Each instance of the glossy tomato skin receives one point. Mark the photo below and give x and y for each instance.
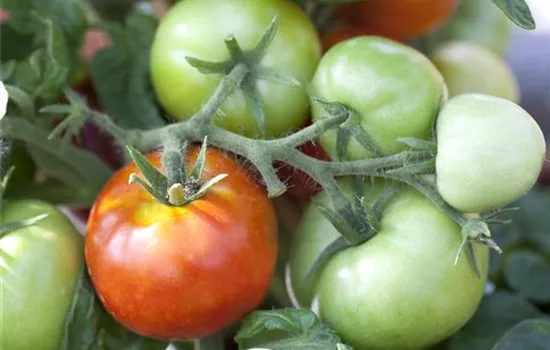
(399, 18)
(182, 272)
(40, 267)
(490, 152)
(198, 28)
(393, 88)
(400, 289)
(470, 68)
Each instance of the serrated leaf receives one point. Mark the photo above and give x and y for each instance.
(496, 314)
(530, 334)
(121, 74)
(286, 329)
(518, 11)
(82, 323)
(528, 273)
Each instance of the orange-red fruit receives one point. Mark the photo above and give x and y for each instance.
(399, 18)
(182, 272)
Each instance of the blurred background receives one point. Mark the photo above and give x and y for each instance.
(529, 58)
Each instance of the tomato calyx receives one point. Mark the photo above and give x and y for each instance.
(175, 189)
(251, 59)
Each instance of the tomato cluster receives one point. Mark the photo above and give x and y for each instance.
(184, 271)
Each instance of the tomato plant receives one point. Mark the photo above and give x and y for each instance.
(490, 152)
(198, 29)
(399, 18)
(182, 272)
(376, 77)
(385, 286)
(470, 68)
(40, 266)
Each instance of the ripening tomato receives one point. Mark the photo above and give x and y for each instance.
(398, 290)
(198, 28)
(399, 18)
(184, 272)
(490, 152)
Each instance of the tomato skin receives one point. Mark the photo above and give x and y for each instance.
(40, 267)
(470, 68)
(182, 272)
(490, 152)
(399, 290)
(198, 28)
(399, 18)
(394, 88)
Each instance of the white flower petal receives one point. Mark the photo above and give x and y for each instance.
(3, 100)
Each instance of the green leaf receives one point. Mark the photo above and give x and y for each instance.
(518, 11)
(15, 46)
(528, 273)
(73, 166)
(22, 100)
(121, 74)
(82, 323)
(529, 334)
(286, 329)
(496, 314)
(57, 28)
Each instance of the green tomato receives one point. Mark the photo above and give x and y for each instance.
(400, 289)
(394, 89)
(490, 152)
(478, 21)
(39, 266)
(198, 28)
(470, 68)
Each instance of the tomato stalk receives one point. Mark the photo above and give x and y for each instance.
(405, 167)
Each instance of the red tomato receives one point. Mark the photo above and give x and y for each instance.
(399, 18)
(348, 31)
(182, 272)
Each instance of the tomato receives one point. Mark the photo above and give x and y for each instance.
(40, 266)
(469, 67)
(398, 290)
(490, 152)
(394, 88)
(182, 272)
(197, 28)
(347, 31)
(477, 21)
(399, 18)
